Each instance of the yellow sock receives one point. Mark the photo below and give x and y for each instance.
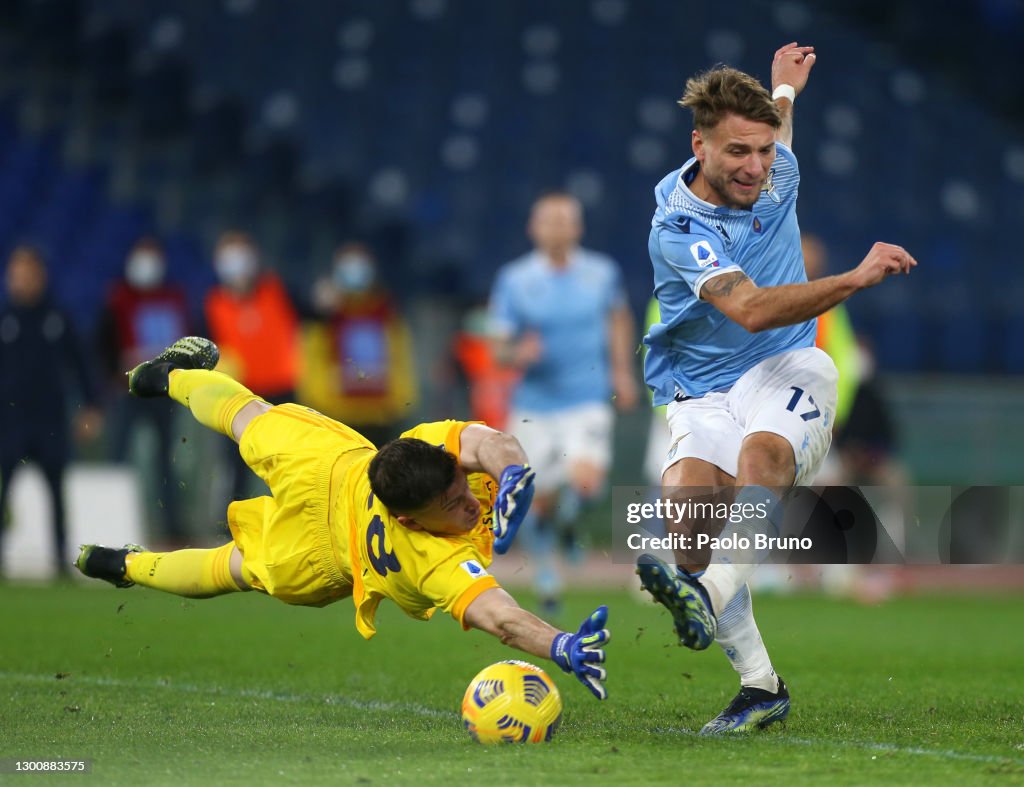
(214, 398)
(195, 573)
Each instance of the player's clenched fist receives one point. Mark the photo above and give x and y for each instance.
(883, 260)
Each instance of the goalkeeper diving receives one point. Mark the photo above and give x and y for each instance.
(415, 522)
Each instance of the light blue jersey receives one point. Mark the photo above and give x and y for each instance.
(569, 309)
(696, 348)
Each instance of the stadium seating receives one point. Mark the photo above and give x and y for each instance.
(430, 125)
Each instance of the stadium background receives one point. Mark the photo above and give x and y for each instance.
(427, 126)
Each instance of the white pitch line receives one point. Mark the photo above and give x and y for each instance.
(423, 710)
(947, 754)
(260, 694)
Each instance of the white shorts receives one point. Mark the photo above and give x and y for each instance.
(659, 438)
(555, 440)
(792, 395)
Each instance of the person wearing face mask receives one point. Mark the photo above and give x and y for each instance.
(251, 316)
(143, 313)
(359, 365)
(41, 366)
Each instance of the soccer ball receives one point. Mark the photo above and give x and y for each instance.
(511, 702)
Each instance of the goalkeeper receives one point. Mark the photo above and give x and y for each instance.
(414, 522)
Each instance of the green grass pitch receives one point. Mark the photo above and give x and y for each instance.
(245, 690)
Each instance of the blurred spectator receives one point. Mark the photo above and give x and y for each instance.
(251, 317)
(867, 443)
(863, 449)
(560, 315)
(864, 442)
(490, 384)
(40, 361)
(358, 361)
(866, 447)
(144, 314)
(835, 331)
(659, 436)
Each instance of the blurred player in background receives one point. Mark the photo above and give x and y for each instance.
(560, 315)
(659, 438)
(751, 400)
(143, 314)
(41, 361)
(414, 522)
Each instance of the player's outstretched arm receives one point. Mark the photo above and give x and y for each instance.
(761, 308)
(622, 355)
(519, 353)
(581, 653)
(502, 457)
(791, 66)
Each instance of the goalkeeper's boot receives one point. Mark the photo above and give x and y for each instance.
(683, 596)
(105, 563)
(751, 708)
(150, 378)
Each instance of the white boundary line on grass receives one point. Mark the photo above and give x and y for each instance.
(946, 754)
(423, 710)
(258, 694)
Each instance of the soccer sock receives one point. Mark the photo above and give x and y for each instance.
(539, 540)
(194, 573)
(569, 506)
(740, 639)
(729, 570)
(214, 398)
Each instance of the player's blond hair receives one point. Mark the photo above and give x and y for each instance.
(722, 91)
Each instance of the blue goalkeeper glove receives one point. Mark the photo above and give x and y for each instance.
(515, 492)
(582, 652)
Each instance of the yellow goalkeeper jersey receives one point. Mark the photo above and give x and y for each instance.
(419, 571)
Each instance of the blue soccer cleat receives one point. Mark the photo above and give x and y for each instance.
(150, 378)
(683, 596)
(751, 708)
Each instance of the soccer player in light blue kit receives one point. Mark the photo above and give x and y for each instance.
(750, 400)
(559, 313)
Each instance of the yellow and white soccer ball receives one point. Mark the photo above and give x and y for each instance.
(512, 702)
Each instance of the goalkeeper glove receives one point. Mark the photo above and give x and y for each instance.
(582, 652)
(515, 491)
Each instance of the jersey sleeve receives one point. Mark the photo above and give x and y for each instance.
(695, 256)
(447, 434)
(454, 583)
(783, 151)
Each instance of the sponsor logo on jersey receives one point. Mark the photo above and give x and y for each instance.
(473, 568)
(704, 254)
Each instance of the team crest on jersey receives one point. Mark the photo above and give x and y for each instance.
(757, 224)
(704, 254)
(769, 187)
